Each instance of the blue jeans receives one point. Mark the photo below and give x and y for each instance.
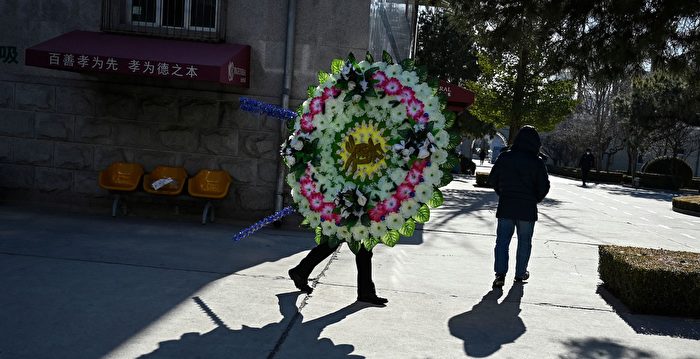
(504, 233)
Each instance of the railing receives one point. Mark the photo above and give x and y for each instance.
(203, 20)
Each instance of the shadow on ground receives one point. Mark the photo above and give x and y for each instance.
(224, 342)
(489, 325)
(595, 348)
(78, 286)
(653, 324)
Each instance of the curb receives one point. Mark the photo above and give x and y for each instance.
(686, 211)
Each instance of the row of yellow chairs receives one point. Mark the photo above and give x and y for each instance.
(123, 177)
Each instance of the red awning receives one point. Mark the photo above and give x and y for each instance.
(458, 99)
(85, 51)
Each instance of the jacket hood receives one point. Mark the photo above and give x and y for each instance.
(527, 140)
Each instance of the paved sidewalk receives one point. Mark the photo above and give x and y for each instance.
(79, 286)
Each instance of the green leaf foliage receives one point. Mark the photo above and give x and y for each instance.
(387, 58)
(449, 119)
(408, 228)
(370, 243)
(423, 214)
(354, 246)
(319, 235)
(369, 57)
(391, 238)
(446, 179)
(437, 200)
(337, 66)
(408, 64)
(323, 77)
(310, 91)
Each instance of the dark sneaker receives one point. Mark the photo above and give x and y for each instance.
(523, 278)
(499, 281)
(300, 282)
(373, 299)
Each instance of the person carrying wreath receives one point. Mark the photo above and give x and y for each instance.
(363, 259)
(520, 179)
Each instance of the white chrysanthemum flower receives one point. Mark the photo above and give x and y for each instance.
(439, 157)
(380, 64)
(290, 160)
(432, 175)
(408, 208)
(328, 228)
(360, 232)
(364, 65)
(398, 175)
(291, 178)
(422, 91)
(398, 114)
(314, 219)
(423, 192)
(377, 229)
(394, 221)
(409, 78)
(333, 106)
(343, 233)
(305, 106)
(442, 138)
(393, 70)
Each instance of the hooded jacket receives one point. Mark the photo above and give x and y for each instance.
(520, 177)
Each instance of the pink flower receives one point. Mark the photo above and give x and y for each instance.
(413, 177)
(392, 204)
(327, 210)
(392, 87)
(330, 92)
(415, 109)
(316, 201)
(307, 124)
(381, 77)
(420, 165)
(407, 95)
(307, 189)
(376, 213)
(316, 105)
(404, 191)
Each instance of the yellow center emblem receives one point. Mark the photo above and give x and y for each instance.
(363, 152)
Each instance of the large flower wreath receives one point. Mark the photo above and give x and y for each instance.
(368, 151)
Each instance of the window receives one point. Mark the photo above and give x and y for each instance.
(198, 19)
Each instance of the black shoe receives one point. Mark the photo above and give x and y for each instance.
(300, 282)
(523, 278)
(499, 281)
(373, 299)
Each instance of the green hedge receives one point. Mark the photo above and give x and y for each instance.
(593, 175)
(652, 281)
(482, 179)
(654, 180)
(689, 203)
(670, 166)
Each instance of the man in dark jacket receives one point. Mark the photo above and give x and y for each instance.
(520, 179)
(586, 162)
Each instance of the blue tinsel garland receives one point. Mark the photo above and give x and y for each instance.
(251, 105)
(263, 222)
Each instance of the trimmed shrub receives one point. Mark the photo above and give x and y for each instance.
(672, 167)
(688, 203)
(482, 179)
(652, 281)
(593, 175)
(695, 183)
(659, 181)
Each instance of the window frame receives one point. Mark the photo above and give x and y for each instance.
(187, 15)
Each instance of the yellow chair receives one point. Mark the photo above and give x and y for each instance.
(209, 184)
(178, 174)
(120, 177)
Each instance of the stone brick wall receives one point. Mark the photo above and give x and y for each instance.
(59, 129)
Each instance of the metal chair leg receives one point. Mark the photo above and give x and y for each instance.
(205, 213)
(115, 205)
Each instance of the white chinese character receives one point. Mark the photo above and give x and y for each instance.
(148, 67)
(134, 65)
(83, 60)
(163, 69)
(176, 70)
(54, 58)
(68, 60)
(191, 71)
(112, 64)
(97, 62)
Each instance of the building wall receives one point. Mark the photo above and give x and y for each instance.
(59, 129)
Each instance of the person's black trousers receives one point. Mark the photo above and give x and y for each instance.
(584, 174)
(363, 261)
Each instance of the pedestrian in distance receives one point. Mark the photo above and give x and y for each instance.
(586, 162)
(482, 155)
(520, 179)
(363, 260)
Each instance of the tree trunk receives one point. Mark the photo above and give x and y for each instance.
(518, 97)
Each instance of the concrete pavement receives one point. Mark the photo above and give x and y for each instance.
(90, 286)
